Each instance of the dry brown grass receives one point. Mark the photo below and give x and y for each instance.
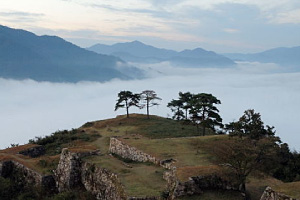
(290, 189)
(15, 150)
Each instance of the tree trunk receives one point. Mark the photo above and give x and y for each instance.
(148, 109)
(127, 112)
(186, 114)
(242, 188)
(203, 122)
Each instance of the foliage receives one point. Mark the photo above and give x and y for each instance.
(285, 165)
(176, 106)
(250, 125)
(14, 188)
(14, 145)
(204, 112)
(242, 156)
(54, 143)
(149, 98)
(6, 188)
(253, 146)
(185, 98)
(126, 99)
(282, 164)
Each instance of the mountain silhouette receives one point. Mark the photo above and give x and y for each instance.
(141, 53)
(25, 55)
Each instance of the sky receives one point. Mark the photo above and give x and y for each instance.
(30, 109)
(224, 26)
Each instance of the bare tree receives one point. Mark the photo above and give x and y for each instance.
(149, 99)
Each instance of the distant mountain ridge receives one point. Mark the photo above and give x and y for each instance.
(282, 56)
(24, 55)
(139, 52)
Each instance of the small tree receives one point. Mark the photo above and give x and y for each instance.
(126, 99)
(250, 125)
(242, 157)
(185, 99)
(149, 99)
(251, 147)
(204, 112)
(175, 106)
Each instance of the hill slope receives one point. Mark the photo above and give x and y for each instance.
(173, 142)
(25, 55)
(139, 52)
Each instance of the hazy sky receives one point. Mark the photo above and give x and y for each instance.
(30, 109)
(219, 25)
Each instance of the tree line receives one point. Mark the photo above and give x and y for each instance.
(199, 108)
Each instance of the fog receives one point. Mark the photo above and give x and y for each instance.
(30, 108)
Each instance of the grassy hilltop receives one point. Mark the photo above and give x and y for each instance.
(157, 136)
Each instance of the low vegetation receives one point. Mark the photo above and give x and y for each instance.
(61, 139)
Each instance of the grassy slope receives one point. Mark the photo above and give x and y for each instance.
(161, 138)
(293, 189)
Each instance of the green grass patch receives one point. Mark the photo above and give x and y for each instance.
(182, 150)
(155, 127)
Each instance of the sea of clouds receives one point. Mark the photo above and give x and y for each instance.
(29, 108)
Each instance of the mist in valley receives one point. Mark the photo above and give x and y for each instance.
(30, 108)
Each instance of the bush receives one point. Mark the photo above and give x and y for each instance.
(53, 143)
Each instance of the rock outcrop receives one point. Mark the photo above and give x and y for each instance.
(27, 175)
(73, 173)
(68, 172)
(270, 194)
(101, 182)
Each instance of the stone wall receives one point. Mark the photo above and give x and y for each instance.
(270, 194)
(195, 185)
(125, 151)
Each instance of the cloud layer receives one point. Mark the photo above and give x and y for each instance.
(30, 109)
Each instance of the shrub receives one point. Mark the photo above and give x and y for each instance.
(54, 143)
